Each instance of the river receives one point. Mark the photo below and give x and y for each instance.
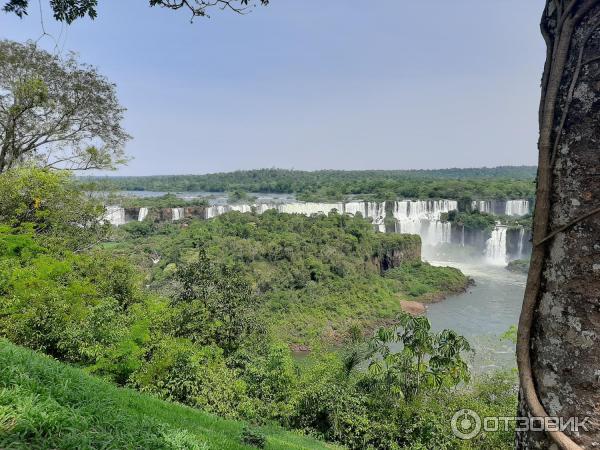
(483, 313)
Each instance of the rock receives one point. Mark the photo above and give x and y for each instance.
(413, 308)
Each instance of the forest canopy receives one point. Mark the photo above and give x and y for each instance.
(478, 183)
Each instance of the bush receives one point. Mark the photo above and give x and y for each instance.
(253, 437)
(197, 376)
(58, 210)
(422, 279)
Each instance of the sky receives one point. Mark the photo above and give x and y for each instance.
(391, 84)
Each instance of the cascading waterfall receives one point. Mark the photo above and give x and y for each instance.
(115, 215)
(214, 211)
(422, 217)
(521, 243)
(241, 208)
(517, 207)
(308, 209)
(177, 213)
(484, 206)
(142, 214)
(495, 247)
(369, 210)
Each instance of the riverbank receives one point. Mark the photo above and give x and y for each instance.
(366, 304)
(483, 313)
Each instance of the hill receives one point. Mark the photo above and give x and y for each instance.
(45, 404)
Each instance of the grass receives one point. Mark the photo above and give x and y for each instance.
(45, 404)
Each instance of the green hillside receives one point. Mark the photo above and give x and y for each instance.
(46, 404)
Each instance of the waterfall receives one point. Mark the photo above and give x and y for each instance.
(517, 207)
(422, 217)
(142, 214)
(177, 213)
(214, 211)
(241, 208)
(438, 232)
(115, 215)
(369, 210)
(495, 247)
(261, 208)
(484, 206)
(521, 244)
(462, 237)
(308, 209)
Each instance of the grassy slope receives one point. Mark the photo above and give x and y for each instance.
(46, 404)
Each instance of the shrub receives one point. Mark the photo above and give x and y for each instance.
(253, 437)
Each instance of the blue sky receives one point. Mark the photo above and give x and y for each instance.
(392, 84)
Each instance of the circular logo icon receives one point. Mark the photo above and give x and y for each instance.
(466, 424)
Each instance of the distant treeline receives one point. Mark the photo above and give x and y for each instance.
(479, 183)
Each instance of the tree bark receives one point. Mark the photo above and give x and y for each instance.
(558, 347)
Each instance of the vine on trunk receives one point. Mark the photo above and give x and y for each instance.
(559, 21)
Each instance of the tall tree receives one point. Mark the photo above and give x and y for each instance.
(70, 10)
(558, 348)
(56, 112)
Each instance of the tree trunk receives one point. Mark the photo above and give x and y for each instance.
(558, 348)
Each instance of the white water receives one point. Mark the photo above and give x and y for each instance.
(308, 209)
(142, 214)
(495, 246)
(521, 243)
(484, 206)
(422, 217)
(115, 215)
(517, 207)
(369, 210)
(483, 313)
(177, 213)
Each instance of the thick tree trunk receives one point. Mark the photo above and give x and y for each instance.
(559, 329)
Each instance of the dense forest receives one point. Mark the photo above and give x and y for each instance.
(484, 183)
(316, 276)
(213, 315)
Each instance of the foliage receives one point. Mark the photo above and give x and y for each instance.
(253, 437)
(53, 205)
(485, 183)
(70, 10)
(190, 329)
(48, 405)
(420, 279)
(240, 196)
(313, 273)
(68, 307)
(473, 220)
(369, 409)
(213, 304)
(181, 371)
(163, 201)
(56, 112)
(510, 334)
(426, 359)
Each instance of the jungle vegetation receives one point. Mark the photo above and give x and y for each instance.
(378, 185)
(210, 326)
